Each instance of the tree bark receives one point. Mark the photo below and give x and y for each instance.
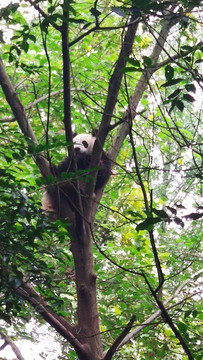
(88, 331)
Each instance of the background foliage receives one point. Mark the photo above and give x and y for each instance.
(161, 159)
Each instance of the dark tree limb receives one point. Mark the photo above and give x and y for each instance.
(169, 321)
(66, 76)
(67, 111)
(119, 339)
(148, 210)
(116, 78)
(113, 90)
(19, 114)
(15, 104)
(141, 86)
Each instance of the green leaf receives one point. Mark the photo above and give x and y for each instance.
(190, 87)
(194, 313)
(147, 61)
(187, 47)
(175, 93)
(129, 69)
(182, 327)
(188, 98)
(180, 105)
(172, 82)
(177, 103)
(148, 224)
(95, 12)
(169, 72)
(133, 62)
(161, 213)
(187, 314)
(32, 37)
(25, 46)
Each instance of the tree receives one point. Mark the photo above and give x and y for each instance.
(130, 69)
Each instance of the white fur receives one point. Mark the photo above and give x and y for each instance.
(78, 142)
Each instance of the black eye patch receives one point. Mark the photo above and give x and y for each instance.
(85, 144)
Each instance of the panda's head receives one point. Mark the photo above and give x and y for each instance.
(84, 143)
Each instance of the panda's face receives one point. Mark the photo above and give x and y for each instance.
(84, 143)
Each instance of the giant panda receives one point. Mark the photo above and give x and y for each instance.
(60, 202)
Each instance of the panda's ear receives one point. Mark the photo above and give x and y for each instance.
(74, 134)
(94, 132)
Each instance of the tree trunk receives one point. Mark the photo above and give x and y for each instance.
(88, 319)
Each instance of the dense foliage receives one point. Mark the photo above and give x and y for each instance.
(147, 233)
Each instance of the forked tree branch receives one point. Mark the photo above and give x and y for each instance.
(28, 292)
(8, 341)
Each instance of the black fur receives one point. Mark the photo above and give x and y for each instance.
(83, 162)
(62, 200)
